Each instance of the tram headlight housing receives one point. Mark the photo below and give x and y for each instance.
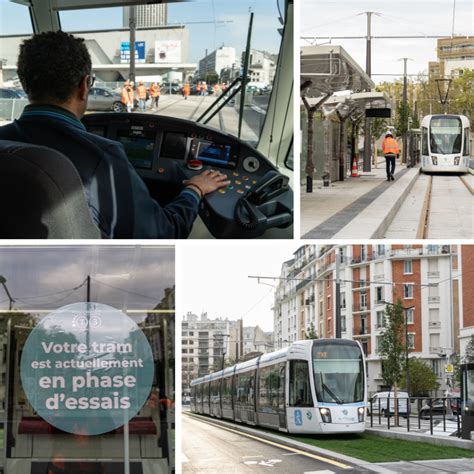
(457, 159)
(434, 159)
(325, 415)
(466, 409)
(360, 413)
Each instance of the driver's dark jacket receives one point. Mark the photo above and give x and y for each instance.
(118, 199)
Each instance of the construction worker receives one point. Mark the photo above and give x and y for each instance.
(186, 90)
(391, 151)
(141, 92)
(203, 88)
(155, 92)
(216, 88)
(198, 88)
(127, 96)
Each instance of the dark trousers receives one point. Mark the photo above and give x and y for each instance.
(390, 165)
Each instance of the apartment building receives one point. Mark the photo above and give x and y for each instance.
(454, 55)
(427, 279)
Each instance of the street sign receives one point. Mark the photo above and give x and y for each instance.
(449, 369)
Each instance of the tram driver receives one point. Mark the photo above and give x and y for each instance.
(55, 70)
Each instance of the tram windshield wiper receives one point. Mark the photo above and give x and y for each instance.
(331, 393)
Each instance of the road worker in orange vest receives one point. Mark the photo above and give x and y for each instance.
(141, 92)
(216, 88)
(391, 151)
(155, 92)
(198, 88)
(186, 90)
(127, 96)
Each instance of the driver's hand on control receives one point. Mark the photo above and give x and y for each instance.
(207, 182)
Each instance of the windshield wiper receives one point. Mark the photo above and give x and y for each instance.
(328, 390)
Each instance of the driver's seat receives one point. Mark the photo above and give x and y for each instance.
(42, 195)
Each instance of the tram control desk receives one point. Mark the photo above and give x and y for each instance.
(165, 151)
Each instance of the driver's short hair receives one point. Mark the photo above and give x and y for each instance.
(51, 66)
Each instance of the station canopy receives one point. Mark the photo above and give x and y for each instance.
(328, 69)
(357, 105)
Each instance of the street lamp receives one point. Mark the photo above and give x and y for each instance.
(405, 310)
(3, 282)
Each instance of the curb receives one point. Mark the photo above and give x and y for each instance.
(378, 215)
(418, 437)
(295, 444)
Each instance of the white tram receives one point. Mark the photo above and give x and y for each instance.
(445, 144)
(312, 386)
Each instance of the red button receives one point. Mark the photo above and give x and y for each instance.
(195, 165)
(161, 170)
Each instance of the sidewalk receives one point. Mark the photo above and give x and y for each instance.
(359, 207)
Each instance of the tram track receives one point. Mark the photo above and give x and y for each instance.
(436, 207)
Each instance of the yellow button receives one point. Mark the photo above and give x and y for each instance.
(222, 191)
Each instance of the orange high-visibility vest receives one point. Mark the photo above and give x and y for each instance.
(141, 91)
(186, 89)
(124, 98)
(155, 90)
(390, 146)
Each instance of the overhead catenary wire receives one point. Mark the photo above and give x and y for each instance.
(123, 290)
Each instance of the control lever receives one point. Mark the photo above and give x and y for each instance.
(251, 211)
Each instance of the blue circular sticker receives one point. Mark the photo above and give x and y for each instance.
(87, 368)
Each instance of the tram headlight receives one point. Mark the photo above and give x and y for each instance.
(457, 159)
(360, 413)
(325, 415)
(434, 159)
(466, 409)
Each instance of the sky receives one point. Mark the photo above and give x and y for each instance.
(125, 277)
(398, 17)
(217, 280)
(15, 19)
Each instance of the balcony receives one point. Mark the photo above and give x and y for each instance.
(359, 308)
(359, 285)
(362, 331)
(303, 283)
(309, 301)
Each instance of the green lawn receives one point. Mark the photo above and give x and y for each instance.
(373, 448)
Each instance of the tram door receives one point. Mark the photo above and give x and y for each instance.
(33, 446)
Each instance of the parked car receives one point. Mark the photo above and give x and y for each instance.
(102, 98)
(12, 94)
(387, 403)
(166, 86)
(438, 408)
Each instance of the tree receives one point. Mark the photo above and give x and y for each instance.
(422, 378)
(311, 332)
(468, 357)
(401, 122)
(392, 347)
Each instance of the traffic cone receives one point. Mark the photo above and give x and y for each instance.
(355, 171)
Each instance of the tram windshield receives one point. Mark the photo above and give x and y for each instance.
(446, 135)
(338, 373)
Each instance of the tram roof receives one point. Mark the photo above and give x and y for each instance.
(83, 4)
(330, 69)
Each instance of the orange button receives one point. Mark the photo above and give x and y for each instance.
(240, 191)
(235, 174)
(237, 181)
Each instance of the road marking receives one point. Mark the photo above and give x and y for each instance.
(278, 445)
(269, 463)
(466, 183)
(258, 109)
(255, 456)
(319, 472)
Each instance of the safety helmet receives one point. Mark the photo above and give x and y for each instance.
(389, 134)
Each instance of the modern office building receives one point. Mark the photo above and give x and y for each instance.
(454, 55)
(428, 279)
(223, 58)
(147, 16)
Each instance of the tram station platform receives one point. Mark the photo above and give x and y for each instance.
(361, 207)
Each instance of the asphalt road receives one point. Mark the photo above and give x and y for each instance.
(208, 448)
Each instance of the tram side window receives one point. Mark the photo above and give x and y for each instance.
(281, 387)
(300, 389)
(226, 391)
(424, 141)
(466, 150)
(205, 393)
(215, 391)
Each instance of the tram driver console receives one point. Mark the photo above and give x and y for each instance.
(166, 150)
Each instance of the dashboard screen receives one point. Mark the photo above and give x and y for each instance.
(174, 146)
(139, 150)
(209, 152)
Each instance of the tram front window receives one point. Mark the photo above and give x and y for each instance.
(446, 135)
(338, 373)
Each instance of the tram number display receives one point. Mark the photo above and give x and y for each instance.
(321, 355)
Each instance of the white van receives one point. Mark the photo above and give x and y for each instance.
(387, 403)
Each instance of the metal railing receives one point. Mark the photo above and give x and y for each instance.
(417, 414)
